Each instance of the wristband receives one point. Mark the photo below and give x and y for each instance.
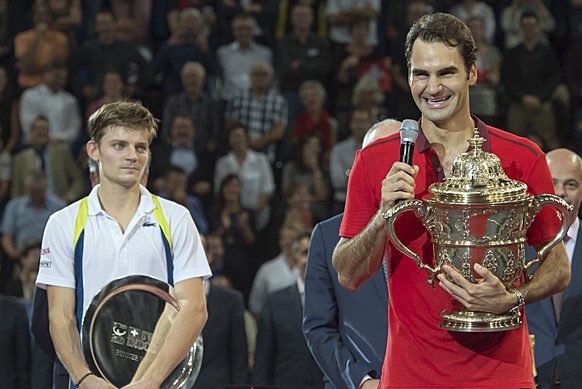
(520, 300)
(83, 379)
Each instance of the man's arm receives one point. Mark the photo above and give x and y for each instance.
(186, 327)
(65, 336)
(552, 276)
(358, 258)
(320, 320)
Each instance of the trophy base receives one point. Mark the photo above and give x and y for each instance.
(469, 321)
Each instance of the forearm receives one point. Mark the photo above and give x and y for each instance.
(186, 327)
(67, 342)
(320, 186)
(357, 259)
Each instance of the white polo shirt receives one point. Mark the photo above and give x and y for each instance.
(109, 253)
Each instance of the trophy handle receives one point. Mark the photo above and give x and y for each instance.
(538, 203)
(420, 211)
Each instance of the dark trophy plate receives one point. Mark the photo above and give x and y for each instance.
(125, 324)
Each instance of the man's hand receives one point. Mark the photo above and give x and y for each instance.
(398, 184)
(488, 295)
(370, 384)
(141, 385)
(94, 382)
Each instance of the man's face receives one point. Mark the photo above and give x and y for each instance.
(122, 154)
(182, 131)
(105, 27)
(439, 83)
(175, 182)
(237, 139)
(39, 133)
(567, 177)
(112, 84)
(530, 28)
(302, 17)
(243, 30)
(311, 100)
(56, 78)
(192, 81)
(261, 77)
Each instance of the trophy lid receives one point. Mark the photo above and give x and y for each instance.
(477, 177)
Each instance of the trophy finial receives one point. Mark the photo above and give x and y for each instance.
(476, 141)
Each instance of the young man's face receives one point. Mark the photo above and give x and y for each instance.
(122, 154)
(439, 83)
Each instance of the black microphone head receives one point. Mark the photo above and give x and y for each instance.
(408, 131)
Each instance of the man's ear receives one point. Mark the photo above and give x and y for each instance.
(473, 75)
(93, 150)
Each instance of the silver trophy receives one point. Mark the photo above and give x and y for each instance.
(126, 324)
(478, 215)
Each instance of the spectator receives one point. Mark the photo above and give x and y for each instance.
(199, 105)
(113, 89)
(282, 357)
(301, 56)
(180, 150)
(403, 105)
(64, 178)
(187, 43)
(573, 79)
(467, 9)
(483, 95)
(106, 53)
(175, 185)
(15, 340)
(9, 124)
(261, 109)
(235, 59)
(298, 205)
(340, 14)
(531, 108)
(511, 16)
(139, 11)
(315, 120)
(307, 167)
(277, 273)
(344, 153)
(34, 49)
(225, 357)
(234, 223)
(25, 217)
(369, 96)
(355, 60)
(556, 321)
(67, 17)
(254, 171)
(51, 100)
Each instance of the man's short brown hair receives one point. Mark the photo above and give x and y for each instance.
(123, 114)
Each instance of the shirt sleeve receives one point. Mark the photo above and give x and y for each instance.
(189, 257)
(57, 261)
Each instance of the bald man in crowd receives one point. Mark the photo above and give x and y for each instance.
(556, 321)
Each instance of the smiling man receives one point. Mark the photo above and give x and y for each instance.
(442, 67)
(117, 240)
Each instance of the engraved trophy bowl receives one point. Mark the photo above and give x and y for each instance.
(478, 215)
(126, 324)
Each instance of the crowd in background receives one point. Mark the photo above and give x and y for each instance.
(262, 106)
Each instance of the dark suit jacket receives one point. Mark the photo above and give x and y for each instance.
(560, 344)
(350, 326)
(14, 345)
(225, 356)
(67, 176)
(282, 357)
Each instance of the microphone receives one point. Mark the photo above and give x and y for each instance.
(408, 135)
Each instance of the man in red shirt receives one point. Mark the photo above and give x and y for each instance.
(441, 59)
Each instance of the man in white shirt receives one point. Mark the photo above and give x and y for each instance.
(121, 237)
